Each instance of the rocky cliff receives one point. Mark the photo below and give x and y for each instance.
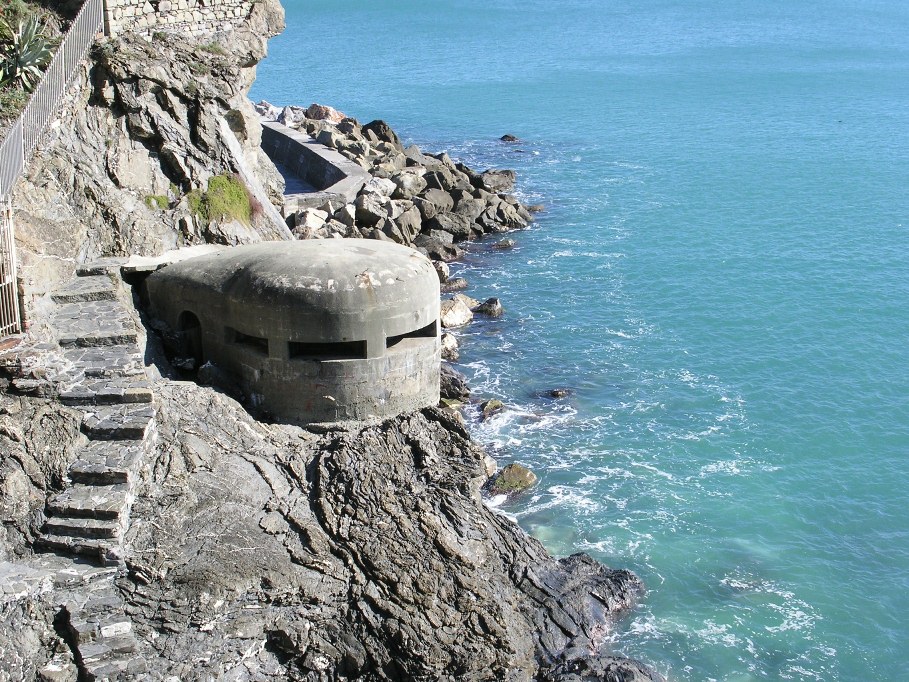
(151, 121)
(254, 551)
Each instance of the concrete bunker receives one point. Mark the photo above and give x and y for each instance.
(313, 331)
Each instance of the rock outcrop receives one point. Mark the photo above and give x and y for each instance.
(151, 123)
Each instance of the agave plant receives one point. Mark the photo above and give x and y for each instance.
(24, 53)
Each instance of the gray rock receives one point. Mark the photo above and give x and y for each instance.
(454, 313)
(437, 250)
(498, 180)
(454, 284)
(442, 270)
(408, 184)
(450, 347)
(370, 209)
(454, 384)
(511, 480)
(432, 202)
(491, 307)
(455, 224)
(383, 132)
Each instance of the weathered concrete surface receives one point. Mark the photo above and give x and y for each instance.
(314, 331)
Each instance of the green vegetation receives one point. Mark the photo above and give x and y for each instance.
(199, 69)
(226, 199)
(157, 201)
(25, 51)
(213, 48)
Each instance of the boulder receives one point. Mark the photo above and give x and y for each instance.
(471, 303)
(307, 221)
(440, 178)
(330, 138)
(503, 245)
(408, 184)
(267, 110)
(410, 223)
(393, 231)
(455, 224)
(347, 214)
(370, 209)
(383, 132)
(320, 112)
(442, 270)
(381, 186)
(488, 408)
(535, 208)
(509, 138)
(498, 180)
(454, 284)
(450, 347)
(454, 313)
(468, 206)
(440, 236)
(491, 307)
(432, 202)
(511, 480)
(351, 127)
(453, 384)
(437, 250)
(557, 393)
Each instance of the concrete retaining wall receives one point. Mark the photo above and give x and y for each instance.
(331, 174)
(190, 17)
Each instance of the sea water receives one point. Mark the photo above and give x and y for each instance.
(721, 278)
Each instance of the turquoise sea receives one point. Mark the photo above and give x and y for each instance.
(721, 277)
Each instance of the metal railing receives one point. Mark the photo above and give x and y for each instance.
(20, 142)
(43, 103)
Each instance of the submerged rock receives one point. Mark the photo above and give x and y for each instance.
(511, 480)
(491, 307)
(491, 407)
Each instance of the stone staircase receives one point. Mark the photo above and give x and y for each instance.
(101, 636)
(103, 377)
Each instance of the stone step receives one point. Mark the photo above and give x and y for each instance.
(107, 462)
(118, 422)
(93, 323)
(81, 527)
(108, 626)
(91, 501)
(104, 551)
(108, 391)
(103, 362)
(108, 649)
(84, 289)
(122, 667)
(109, 265)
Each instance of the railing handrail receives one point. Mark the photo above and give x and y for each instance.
(17, 147)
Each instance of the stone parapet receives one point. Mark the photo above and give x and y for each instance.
(189, 17)
(330, 174)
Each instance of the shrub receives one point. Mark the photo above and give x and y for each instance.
(157, 201)
(25, 52)
(226, 199)
(213, 48)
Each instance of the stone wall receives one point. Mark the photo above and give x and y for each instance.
(189, 17)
